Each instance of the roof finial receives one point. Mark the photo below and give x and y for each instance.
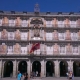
(36, 8)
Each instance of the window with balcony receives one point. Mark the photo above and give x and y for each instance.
(49, 50)
(62, 36)
(48, 23)
(60, 24)
(24, 35)
(10, 35)
(62, 50)
(74, 36)
(49, 36)
(11, 23)
(73, 24)
(75, 50)
(10, 50)
(23, 49)
(24, 23)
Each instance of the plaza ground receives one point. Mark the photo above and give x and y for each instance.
(49, 78)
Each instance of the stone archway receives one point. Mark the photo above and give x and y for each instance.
(8, 69)
(22, 67)
(49, 69)
(76, 68)
(36, 68)
(63, 68)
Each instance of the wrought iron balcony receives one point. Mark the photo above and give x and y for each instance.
(25, 25)
(39, 53)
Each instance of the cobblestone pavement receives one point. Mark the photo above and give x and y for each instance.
(61, 78)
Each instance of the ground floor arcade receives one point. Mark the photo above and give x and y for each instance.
(45, 68)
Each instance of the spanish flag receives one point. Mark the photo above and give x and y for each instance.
(34, 47)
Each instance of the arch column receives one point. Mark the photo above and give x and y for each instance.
(31, 67)
(3, 68)
(57, 69)
(42, 69)
(14, 68)
(0, 68)
(70, 65)
(45, 69)
(17, 63)
(28, 67)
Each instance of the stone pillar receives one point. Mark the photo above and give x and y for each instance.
(0, 68)
(42, 68)
(70, 65)
(3, 68)
(17, 64)
(28, 67)
(57, 69)
(14, 68)
(31, 67)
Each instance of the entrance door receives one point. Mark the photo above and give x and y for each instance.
(63, 68)
(22, 67)
(76, 69)
(49, 69)
(36, 68)
(8, 69)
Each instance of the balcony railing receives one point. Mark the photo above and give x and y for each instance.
(14, 25)
(41, 39)
(44, 53)
(48, 25)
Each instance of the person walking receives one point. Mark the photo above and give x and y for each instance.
(25, 76)
(19, 76)
(67, 75)
(70, 75)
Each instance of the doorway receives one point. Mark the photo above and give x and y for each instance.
(76, 69)
(63, 68)
(8, 69)
(36, 68)
(22, 67)
(49, 69)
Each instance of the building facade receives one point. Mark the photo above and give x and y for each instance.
(44, 43)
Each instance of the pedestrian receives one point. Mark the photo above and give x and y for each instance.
(19, 76)
(67, 75)
(70, 75)
(31, 75)
(25, 76)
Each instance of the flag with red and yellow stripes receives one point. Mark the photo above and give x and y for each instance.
(34, 47)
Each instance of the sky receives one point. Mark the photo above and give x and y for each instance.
(45, 5)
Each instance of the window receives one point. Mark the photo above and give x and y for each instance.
(24, 23)
(48, 23)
